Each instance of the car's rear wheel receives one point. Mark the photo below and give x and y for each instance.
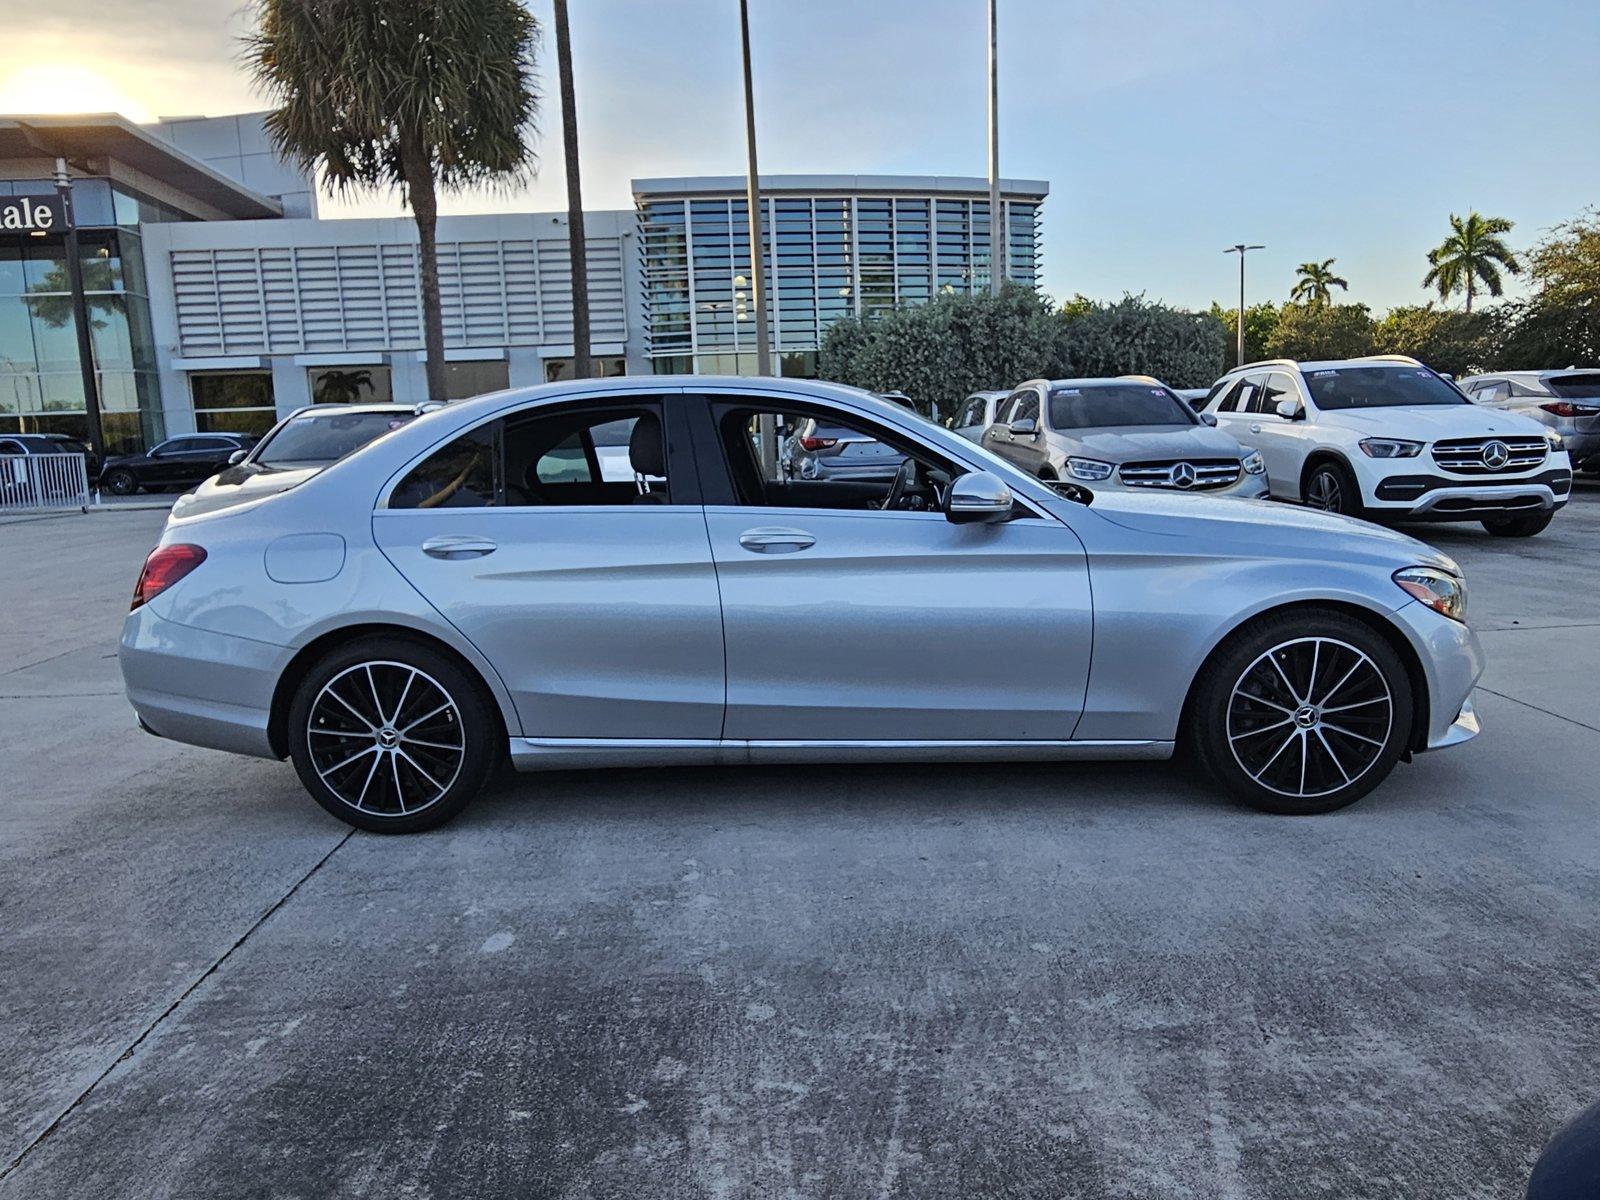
(1525, 525)
(119, 482)
(1301, 713)
(1331, 487)
(391, 735)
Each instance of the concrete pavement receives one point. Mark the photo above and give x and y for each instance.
(1096, 981)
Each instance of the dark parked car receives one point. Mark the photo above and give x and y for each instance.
(47, 443)
(178, 462)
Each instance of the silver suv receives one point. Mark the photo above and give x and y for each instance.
(1124, 433)
(1566, 401)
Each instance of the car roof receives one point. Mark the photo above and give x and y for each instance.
(1095, 381)
(1549, 373)
(374, 406)
(1327, 364)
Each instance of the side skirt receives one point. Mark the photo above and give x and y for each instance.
(548, 754)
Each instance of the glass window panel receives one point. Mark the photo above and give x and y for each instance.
(91, 202)
(350, 385)
(231, 389)
(12, 282)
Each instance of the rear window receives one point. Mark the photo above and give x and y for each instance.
(1575, 387)
(1116, 404)
(1336, 388)
(319, 438)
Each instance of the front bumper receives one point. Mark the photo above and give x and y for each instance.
(1452, 660)
(206, 689)
(1434, 497)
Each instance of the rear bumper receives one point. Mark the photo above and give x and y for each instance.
(206, 689)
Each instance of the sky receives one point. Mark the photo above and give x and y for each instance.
(1167, 129)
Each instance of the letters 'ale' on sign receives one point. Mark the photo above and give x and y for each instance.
(32, 214)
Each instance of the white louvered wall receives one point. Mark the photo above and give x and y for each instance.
(301, 299)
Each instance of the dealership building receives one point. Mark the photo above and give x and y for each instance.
(216, 299)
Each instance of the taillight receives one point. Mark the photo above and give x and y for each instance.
(165, 566)
(1566, 408)
(814, 443)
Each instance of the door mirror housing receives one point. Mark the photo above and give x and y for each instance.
(1209, 419)
(1027, 427)
(978, 498)
(1291, 410)
(237, 457)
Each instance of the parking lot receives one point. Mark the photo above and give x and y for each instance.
(1040, 980)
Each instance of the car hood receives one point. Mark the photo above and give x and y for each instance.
(1257, 527)
(1136, 443)
(240, 485)
(1430, 423)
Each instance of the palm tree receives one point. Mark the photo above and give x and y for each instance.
(1472, 254)
(392, 93)
(1315, 283)
(578, 249)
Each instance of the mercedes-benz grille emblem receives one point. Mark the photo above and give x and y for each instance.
(1183, 475)
(1496, 455)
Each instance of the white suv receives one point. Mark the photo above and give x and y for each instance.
(1386, 438)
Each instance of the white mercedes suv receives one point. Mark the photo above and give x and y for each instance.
(1388, 439)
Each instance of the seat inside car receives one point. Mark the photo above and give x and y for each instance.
(647, 456)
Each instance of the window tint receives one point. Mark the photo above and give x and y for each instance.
(1211, 395)
(460, 474)
(1098, 406)
(855, 468)
(1575, 387)
(1278, 387)
(325, 437)
(1336, 388)
(1239, 396)
(973, 413)
(611, 455)
(1490, 392)
(10, 448)
(1026, 408)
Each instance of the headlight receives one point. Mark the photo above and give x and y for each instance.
(1556, 444)
(1253, 463)
(1090, 469)
(1390, 448)
(1439, 590)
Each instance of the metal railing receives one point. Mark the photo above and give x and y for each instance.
(43, 482)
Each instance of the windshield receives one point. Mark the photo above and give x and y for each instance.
(1097, 406)
(1335, 388)
(319, 438)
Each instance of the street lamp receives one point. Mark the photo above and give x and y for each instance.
(1241, 250)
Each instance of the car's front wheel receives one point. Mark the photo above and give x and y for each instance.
(1525, 525)
(1304, 712)
(119, 482)
(391, 735)
(1331, 487)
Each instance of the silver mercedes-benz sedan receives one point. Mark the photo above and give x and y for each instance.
(474, 586)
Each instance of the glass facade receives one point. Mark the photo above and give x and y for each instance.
(41, 382)
(827, 257)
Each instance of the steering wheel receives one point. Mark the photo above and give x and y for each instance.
(903, 479)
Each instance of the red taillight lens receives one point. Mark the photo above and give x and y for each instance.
(165, 566)
(1561, 408)
(811, 443)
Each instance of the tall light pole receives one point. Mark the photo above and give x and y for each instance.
(1241, 250)
(758, 269)
(577, 240)
(997, 225)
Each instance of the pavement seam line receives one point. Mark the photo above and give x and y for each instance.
(170, 1009)
(1536, 708)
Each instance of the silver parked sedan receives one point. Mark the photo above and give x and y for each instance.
(474, 586)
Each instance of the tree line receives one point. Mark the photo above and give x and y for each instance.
(957, 344)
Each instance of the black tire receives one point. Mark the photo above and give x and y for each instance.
(1325, 761)
(119, 482)
(462, 747)
(1331, 487)
(1525, 525)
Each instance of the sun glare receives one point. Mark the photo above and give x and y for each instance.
(65, 88)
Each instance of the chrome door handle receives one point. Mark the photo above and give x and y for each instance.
(1255, 428)
(776, 541)
(450, 546)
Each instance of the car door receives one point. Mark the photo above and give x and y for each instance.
(849, 623)
(1284, 444)
(593, 596)
(163, 463)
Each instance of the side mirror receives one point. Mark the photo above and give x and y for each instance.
(1291, 410)
(1209, 419)
(1027, 427)
(237, 457)
(978, 498)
